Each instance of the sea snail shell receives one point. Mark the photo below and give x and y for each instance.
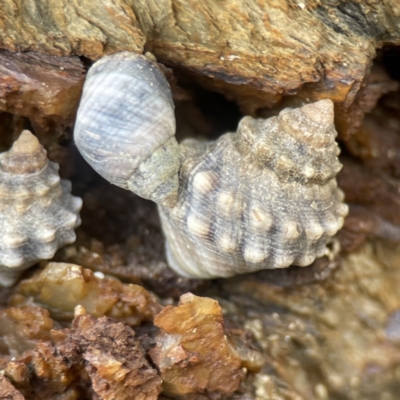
(263, 197)
(38, 215)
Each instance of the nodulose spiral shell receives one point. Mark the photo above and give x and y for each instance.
(38, 215)
(263, 197)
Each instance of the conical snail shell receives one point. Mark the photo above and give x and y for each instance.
(125, 126)
(38, 215)
(264, 197)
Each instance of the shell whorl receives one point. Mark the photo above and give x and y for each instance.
(125, 126)
(38, 215)
(263, 197)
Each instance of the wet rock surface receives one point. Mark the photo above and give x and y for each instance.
(327, 331)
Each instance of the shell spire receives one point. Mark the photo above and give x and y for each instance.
(264, 197)
(38, 215)
(26, 155)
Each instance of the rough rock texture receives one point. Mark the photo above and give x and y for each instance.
(61, 287)
(22, 327)
(94, 358)
(8, 391)
(44, 88)
(336, 340)
(193, 352)
(255, 53)
(326, 332)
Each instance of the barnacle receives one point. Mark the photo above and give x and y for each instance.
(261, 198)
(38, 213)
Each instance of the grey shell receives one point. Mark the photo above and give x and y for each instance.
(125, 126)
(38, 215)
(263, 197)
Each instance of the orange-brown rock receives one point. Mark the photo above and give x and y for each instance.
(115, 361)
(255, 53)
(22, 327)
(349, 119)
(44, 88)
(193, 352)
(8, 391)
(95, 359)
(60, 287)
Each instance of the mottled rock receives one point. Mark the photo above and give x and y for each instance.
(115, 361)
(193, 352)
(42, 87)
(60, 287)
(255, 53)
(94, 358)
(8, 391)
(337, 338)
(22, 327)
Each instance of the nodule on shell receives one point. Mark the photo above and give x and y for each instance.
(263, 197)
(38, 215)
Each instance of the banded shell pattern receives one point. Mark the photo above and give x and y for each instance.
(125, 126)
(263, 197)
(38, 213)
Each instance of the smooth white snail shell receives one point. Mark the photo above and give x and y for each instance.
(261, 198)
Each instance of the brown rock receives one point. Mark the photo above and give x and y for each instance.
(8, 391)
(115, 361)
(193, 353)
(61, 287)
(89, 29)
(94, 358)
(327, 340)
(22, 327)
(44, 88)
(255, 53)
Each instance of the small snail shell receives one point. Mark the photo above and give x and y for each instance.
(38, 215)
(261, 198)
(125, 126)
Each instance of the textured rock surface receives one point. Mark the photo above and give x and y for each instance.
(245, 52)
(94, 358)
(22, 327)
(41, 87)
(342, 330)
(61, 287)
(8, 391)
(193, 352)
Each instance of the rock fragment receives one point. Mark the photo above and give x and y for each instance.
(60, 287)
(193, 352)
(94, 359)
